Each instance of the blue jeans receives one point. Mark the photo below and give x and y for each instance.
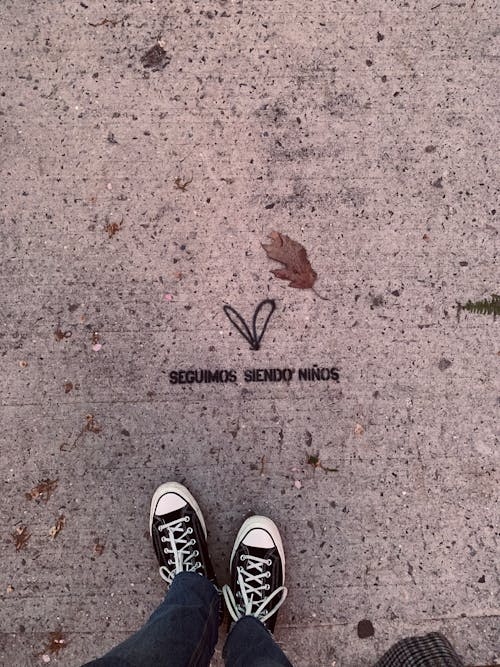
(183, 632)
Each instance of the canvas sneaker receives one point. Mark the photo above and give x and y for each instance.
(179, 533)
(257, 572)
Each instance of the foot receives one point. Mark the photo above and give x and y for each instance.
(257, 572)
(179, 533)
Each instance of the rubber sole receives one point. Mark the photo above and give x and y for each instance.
(180, 490)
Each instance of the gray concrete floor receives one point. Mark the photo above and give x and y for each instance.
(364, 130)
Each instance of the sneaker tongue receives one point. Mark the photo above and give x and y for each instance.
(259, 552)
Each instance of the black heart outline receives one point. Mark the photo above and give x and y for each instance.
(250, 336)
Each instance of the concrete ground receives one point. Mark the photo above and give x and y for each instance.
(134, 200)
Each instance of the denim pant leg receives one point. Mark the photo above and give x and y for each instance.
(182, 632)
(250, 644)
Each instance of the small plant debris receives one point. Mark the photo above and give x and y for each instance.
(61, 335)
(59, 525)
(68, 386)
(21, 537)
(55, 643)
(182, 185)
(483, 307)
(314, 461)
(23, 363)
(155, 58)
(359, 429)
(98, 547)
(95, 338)
(43, 490)
(113, 227)
(91, 426)
(111, 22)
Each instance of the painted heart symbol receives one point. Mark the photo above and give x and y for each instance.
(240, 325)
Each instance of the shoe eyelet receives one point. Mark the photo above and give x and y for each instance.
(268, 574)
(196, 553)
(242, 557)
(189, 530)
(267, 587)
(269, 561)
(163, 539)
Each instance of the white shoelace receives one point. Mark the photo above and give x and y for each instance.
(180, 547)
(252, 599)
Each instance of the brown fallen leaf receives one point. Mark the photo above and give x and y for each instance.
(182, 185)
(90, 427)
(55, 530)
(298, 270)
(56, 642)
(313, 460)
(21, 537)
(43, 490)
(61, 335)
(98, 547)
(113, 227)
(359, 429)
(68, 386)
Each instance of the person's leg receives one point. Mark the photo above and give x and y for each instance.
(257, 591)
(183, 630)
(432, 650)
(250, 644)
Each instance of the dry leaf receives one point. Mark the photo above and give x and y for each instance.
(56, 642)
(182, 185)
(55, 530)
(359, 429)
(21, 537)
(297, 269)
(98, 547)
(113, 227)
(313, 460)
(43, 490)
(68, 386)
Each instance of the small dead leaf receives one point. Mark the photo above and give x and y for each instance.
(23, 363)
(359, 429)
(21, 537)
(55, 530)
(92, 426)
(68, 386)
(111, 22)
(10, 589)
(182, 185)
(297, 269)
(95, 338)
(61, 335)
(56, 642)
(113, 227)
(43, 490)
(98, 547)
(313, 460)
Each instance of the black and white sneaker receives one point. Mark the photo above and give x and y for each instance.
(179, 533)
(257, 572)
